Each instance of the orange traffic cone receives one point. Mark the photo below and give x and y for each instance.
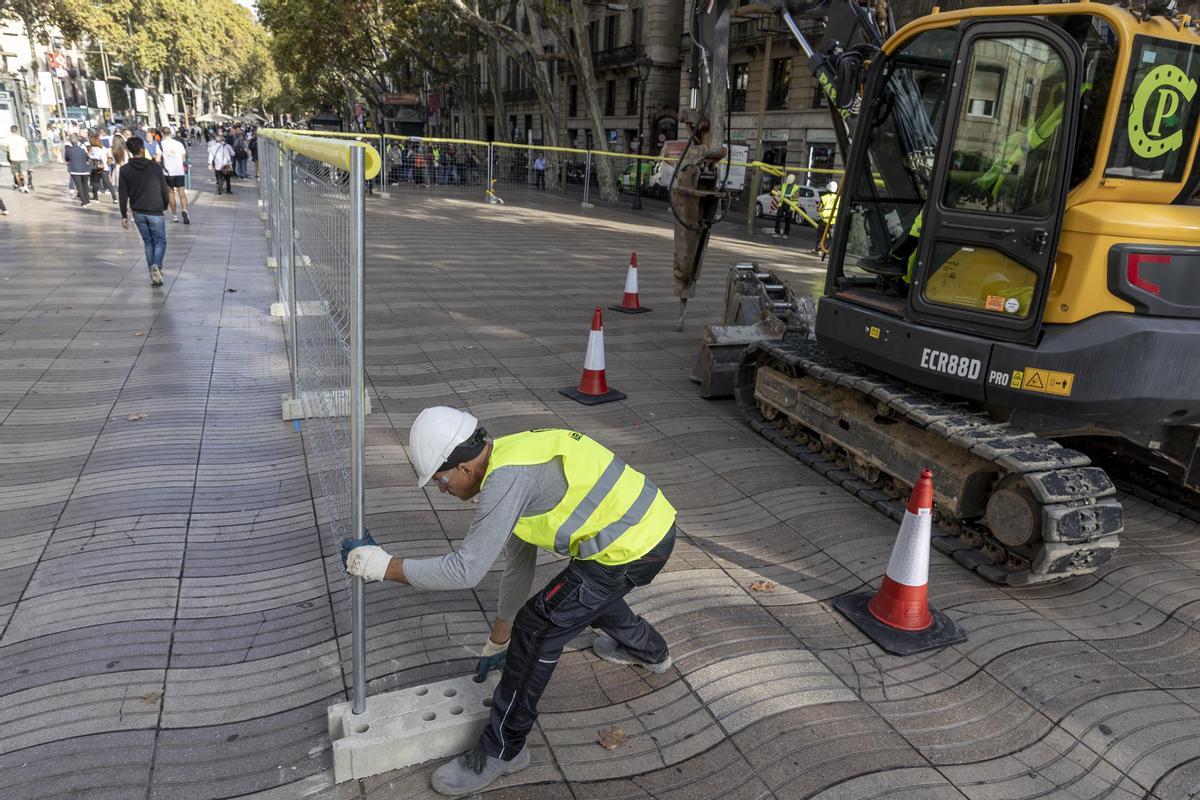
(630, 303)
(898, 618)
(593, 386)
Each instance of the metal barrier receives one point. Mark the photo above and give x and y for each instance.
(313, 191)
(509, 172)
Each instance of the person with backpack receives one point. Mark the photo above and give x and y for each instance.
(241, 154)
(220, 161)
(99, 159)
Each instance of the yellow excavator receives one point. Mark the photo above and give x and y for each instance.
(1012, 295)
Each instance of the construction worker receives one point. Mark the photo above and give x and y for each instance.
(785, 197)
(559, 491)
(829, 203)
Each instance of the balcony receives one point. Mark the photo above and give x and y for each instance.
(616, 57)
(607, 59)
(526, 95)
(743, 32)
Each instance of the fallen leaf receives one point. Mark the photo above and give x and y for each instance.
(762, 586)
(136, 417)
(140, 333)
(231, 291)
(611, 738)
(152, 697)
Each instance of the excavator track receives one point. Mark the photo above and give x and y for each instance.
(1021, 509)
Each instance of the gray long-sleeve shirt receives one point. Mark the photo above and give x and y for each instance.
(510, 492)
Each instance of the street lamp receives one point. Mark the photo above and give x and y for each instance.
(643, 65)
(128, 106)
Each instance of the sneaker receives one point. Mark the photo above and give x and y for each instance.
(156, 277)
(607, 648)
(186, 220)
(475, 770)
(174, 218)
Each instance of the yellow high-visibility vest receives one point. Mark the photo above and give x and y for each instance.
(611, 513)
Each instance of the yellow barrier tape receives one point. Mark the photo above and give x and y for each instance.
(335, 154)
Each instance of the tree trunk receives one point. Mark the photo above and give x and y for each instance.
(581, 57)
(494, 79)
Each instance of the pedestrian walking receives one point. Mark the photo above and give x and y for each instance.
(119, 156)
(175, 166)
(143, 191)
(98, 160)
(253, 147)
(539, 171)
(17, 148)
(3, 209)
(241, 154)
(556, 490)
(78, 167)
(220, 161)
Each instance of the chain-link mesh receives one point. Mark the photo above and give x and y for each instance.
(325, 255)
(315, 211)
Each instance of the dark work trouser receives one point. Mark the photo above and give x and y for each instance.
(583, 594)
(783, 219)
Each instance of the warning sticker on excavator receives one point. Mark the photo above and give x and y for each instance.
(1046, 381)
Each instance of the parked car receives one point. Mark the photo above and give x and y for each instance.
(628, 178)
(808, 198)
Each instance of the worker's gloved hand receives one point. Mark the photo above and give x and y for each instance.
(362, 557)
(491, 658)
(370, 562)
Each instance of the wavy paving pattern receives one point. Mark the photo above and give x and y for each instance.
(173, 626)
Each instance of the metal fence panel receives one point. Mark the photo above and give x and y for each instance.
(314, 198)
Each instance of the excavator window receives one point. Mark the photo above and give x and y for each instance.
(1005, 164)
(1002, 162)
(902, 142)
(1157, 122)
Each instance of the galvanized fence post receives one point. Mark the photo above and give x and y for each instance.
(290, 249)
(587, 181)
(358, 421)
(384, 171)
(489, 178)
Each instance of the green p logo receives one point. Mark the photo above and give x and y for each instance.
(1163, 94)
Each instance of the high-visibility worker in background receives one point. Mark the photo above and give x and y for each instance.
(560, 491)
(785, 197)
(829, 203)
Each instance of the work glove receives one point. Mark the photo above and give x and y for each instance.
(491, 658)
(363, 558)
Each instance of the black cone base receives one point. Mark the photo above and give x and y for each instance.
(944, 631)
(624, 310)
(591, 399)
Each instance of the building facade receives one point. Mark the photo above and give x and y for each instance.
(620, 34)
(770, 80)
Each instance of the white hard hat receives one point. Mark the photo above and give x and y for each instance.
(434, 435)
(832, 186)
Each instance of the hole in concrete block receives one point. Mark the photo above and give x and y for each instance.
(456, 709)
(487, 702)
(362, 728)
(422, 692)
(449, 692)
(429, 716)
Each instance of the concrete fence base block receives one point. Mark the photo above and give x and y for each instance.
(309, 405)
(272, 263)
(305, 308)
(267, 233)
(586, 205)
(409, 726)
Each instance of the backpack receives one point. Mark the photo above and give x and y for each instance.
(239, 150)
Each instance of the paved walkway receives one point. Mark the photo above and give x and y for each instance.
(174, 624)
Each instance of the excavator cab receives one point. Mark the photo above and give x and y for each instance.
(973, 136)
